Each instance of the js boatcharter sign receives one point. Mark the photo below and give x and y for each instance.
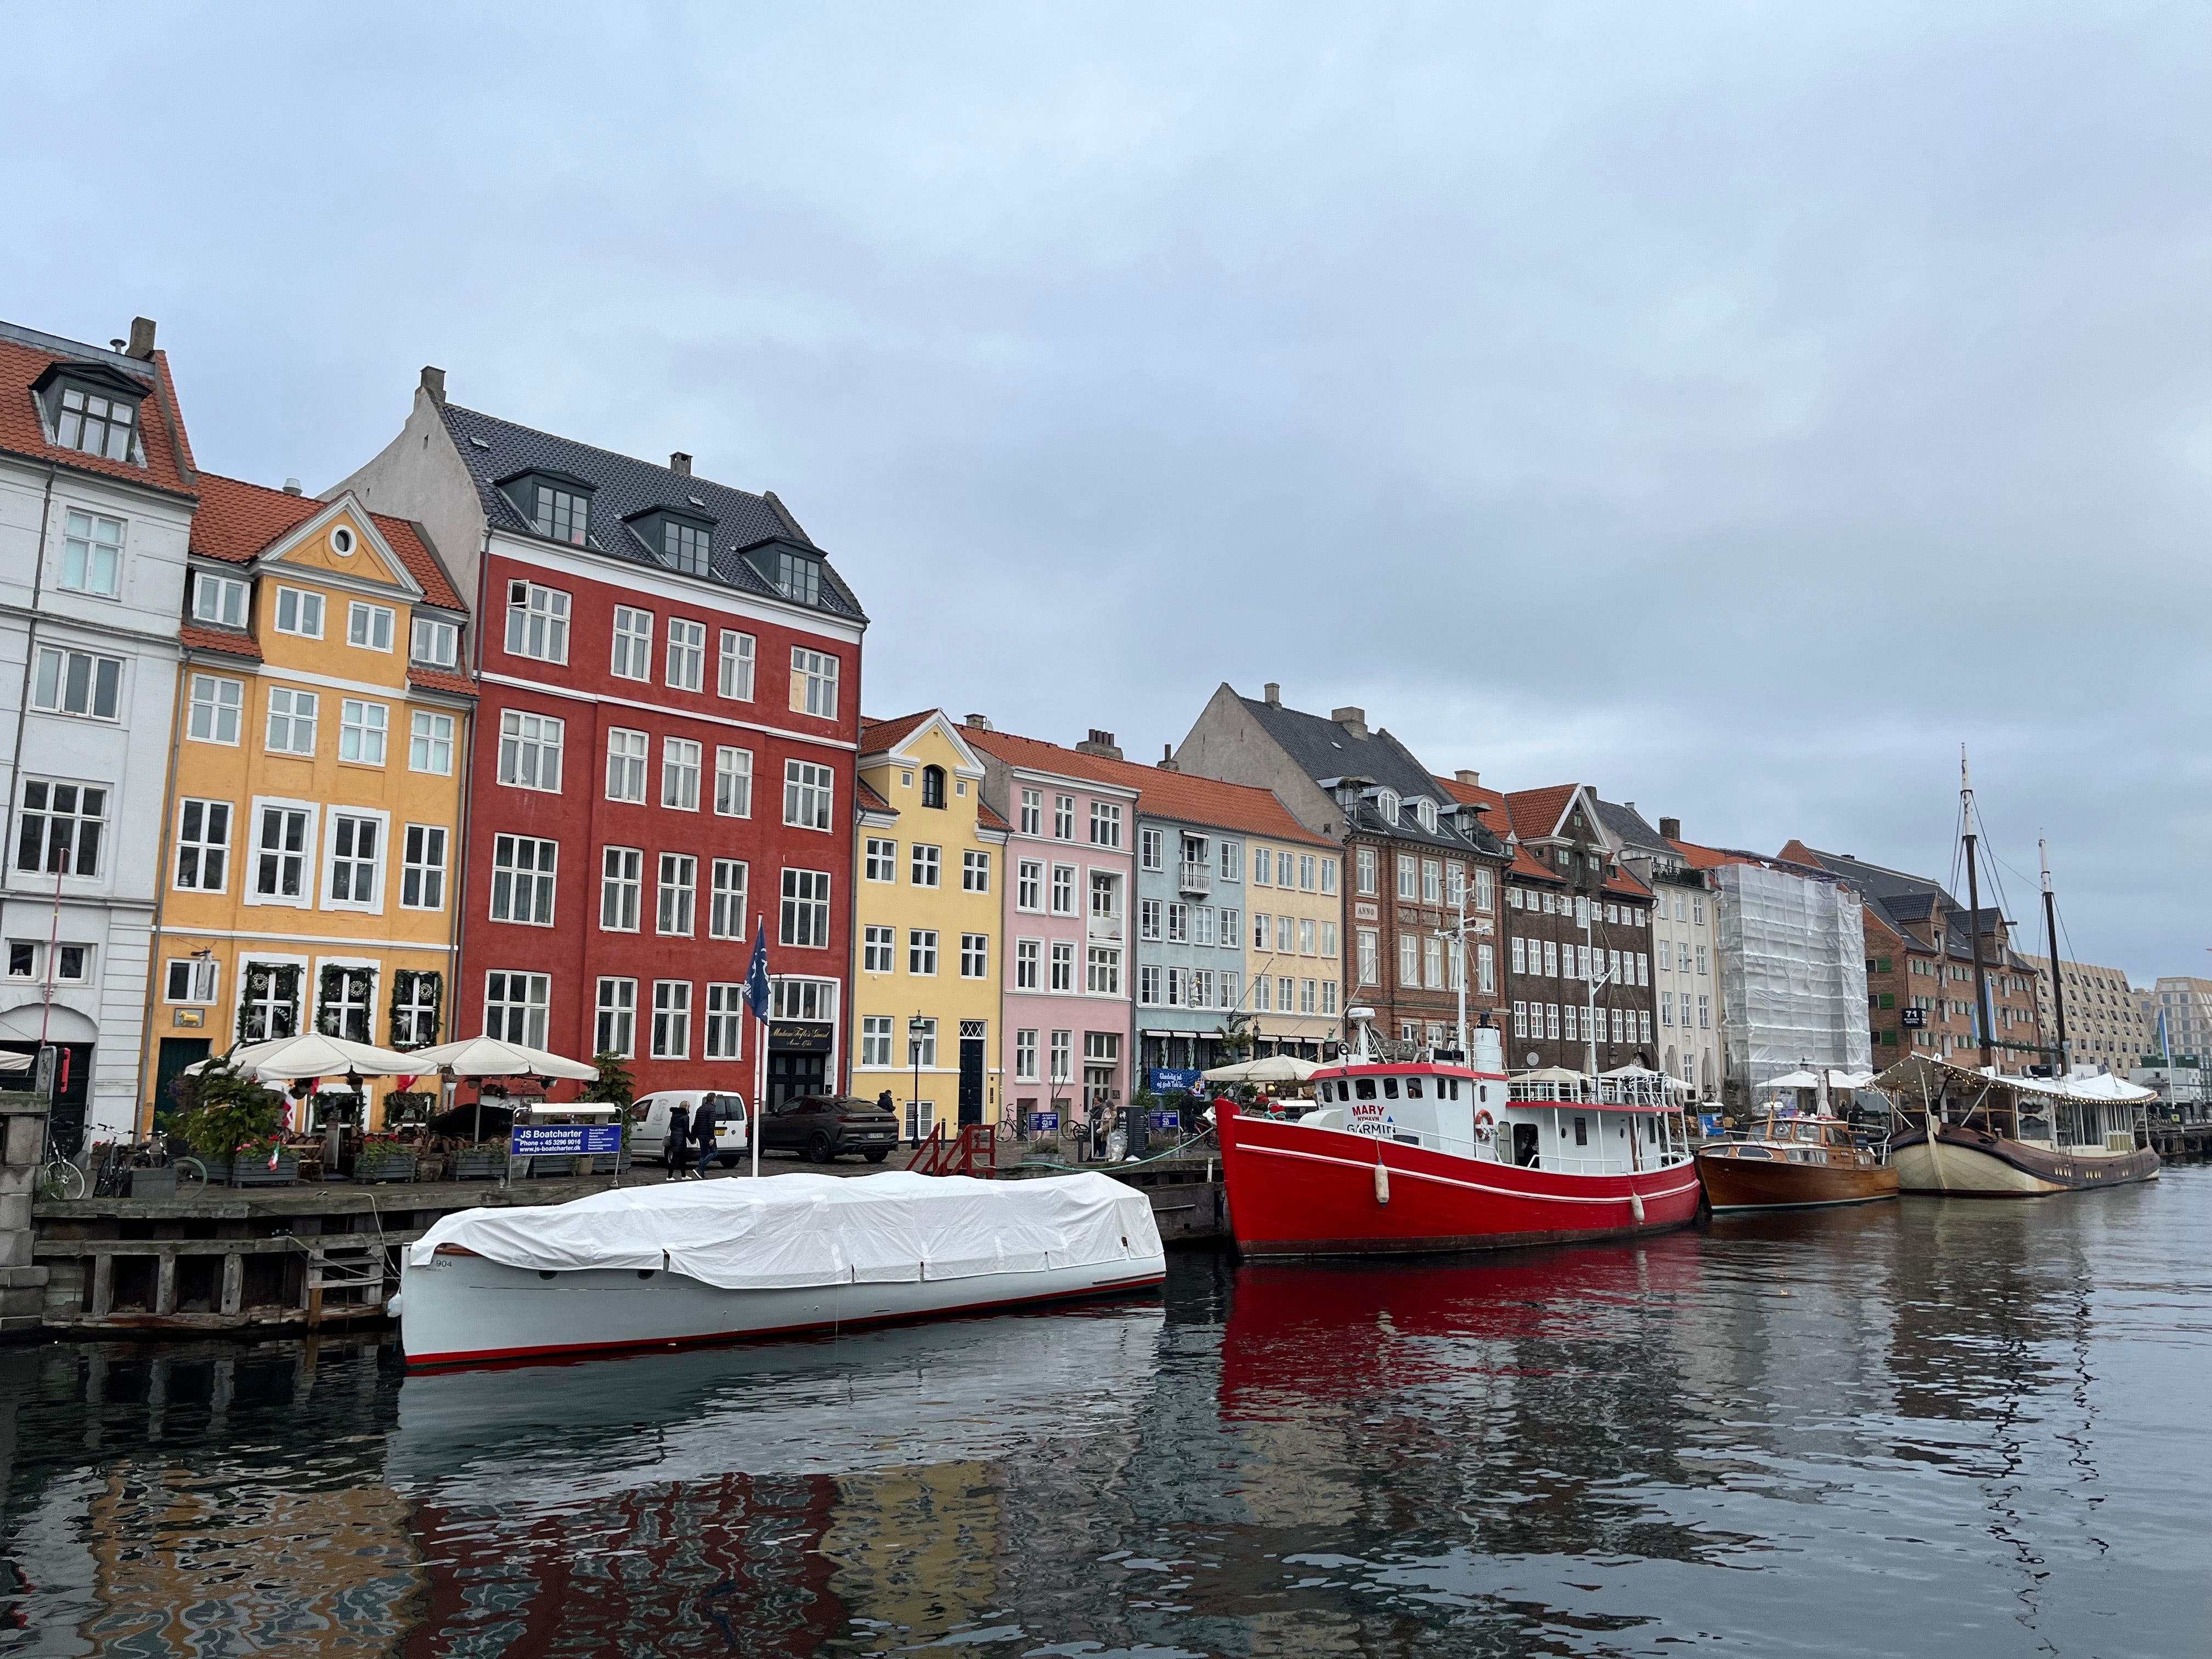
(561, 1140)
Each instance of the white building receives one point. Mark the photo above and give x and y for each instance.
(2105, 1026)
(1684, 945)
(96, 501)
(2177, 1016)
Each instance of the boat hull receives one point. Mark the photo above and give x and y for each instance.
(1734, 1182)
(1967, 1163)
(467, 1309)
(1296, 1191)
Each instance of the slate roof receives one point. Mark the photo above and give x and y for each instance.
(237, 521)
(25, 354)
(494, 450)
(1176, 797)
(1632, 829)
(1324, 749)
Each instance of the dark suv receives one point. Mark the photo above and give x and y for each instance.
(825, 1127)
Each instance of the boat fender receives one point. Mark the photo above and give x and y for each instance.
(1636, 1207)
(1382, 1183)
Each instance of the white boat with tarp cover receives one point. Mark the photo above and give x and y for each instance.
(714, 1260)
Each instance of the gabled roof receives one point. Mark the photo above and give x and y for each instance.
(1325, 749)
(1538, 812)
(1176, 797)
(27, 355)
(624, 486)
(880, 736)
(1632, 829)
(237, 521)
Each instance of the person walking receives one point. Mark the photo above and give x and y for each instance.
(674, 1156)
(702, 1134)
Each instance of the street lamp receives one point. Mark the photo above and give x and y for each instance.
(915, 1028)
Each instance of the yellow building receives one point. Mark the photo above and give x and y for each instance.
(931, 857)
(319, 760)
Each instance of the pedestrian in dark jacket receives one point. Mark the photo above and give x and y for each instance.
(678, 1124)
(702, 1135)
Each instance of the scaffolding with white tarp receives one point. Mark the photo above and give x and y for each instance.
(1792, 961)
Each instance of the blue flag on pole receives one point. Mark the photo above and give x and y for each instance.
(757, 991)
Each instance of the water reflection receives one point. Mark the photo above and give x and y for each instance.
(1963, 1426)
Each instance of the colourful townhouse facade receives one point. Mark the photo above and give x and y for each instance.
(930, 911)
(322, 735)
(1065, 1044)
(664, 762)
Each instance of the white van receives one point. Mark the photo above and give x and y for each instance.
(648, 1125)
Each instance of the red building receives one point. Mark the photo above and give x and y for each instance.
(665, 758)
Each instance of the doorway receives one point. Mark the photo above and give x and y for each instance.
(1524, 1145)
(791, 1076)
(971, 1071)
(176, 1053)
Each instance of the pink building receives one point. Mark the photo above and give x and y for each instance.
(1067, 1030)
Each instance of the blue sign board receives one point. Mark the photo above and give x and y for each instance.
(1165, 1120)
(1709, 1123)
(562, 1139)
(1044, 1123)
(1174, 1079)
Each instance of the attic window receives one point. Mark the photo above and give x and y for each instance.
(1385, 802)
(96, 423)
(685, 546)
(1426, 810)
(798, 577)
(562, 514)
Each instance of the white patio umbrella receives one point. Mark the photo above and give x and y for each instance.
(1275, 1068)
(311, 1053)
(16, 1062)
(491, 1056)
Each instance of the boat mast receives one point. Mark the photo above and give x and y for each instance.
(2050, 948)
(1974, 914)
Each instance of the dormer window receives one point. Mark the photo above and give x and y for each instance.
(93, 409)
(685, 546)
(1426, 810)
(563, 514)
(1385, 802)
(798, 577)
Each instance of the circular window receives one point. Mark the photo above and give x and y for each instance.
(342, 542)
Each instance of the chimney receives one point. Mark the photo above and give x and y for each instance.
(680, 464)
(142, 339)
(434, 382)
(1670, 829)
(976, 722)
(1100, 743)
(291, 486)
(1272, 694)
(1353, 720)
(1168, 759)
(1469, 776)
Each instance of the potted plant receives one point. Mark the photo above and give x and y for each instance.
(264, 1162)
(225, 1116)
(381, 1160)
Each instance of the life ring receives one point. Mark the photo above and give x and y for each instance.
(1483, 1124)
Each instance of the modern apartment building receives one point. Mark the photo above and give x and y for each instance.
(931, 912)
(2105, 1024)
(2178, 1015)
(97, 493)
(669, 673)
(323, 738)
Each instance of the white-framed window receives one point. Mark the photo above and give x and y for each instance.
(1202, 924)
(1028, 962)
(1063, 1056)
(882, 859)
(875, 1040)
(807, 791)
(733, 782)
(203, 846)
(922, 1051)
(1409, 959)
(1148, 918)
(1029, 885)
(622, 879)
(1105, 824)
(1432, 952)
(370, 627)
(283, 844)
(679, 773)
(671, 1019)
(615, 1029)
(926, 865)
(353, 862)
(1178, 923)
(1551, 959)
(1486, 969)
(1025, 1052)
(218, 600)
(921, 951)
(423, 867)
(1365, 872)
(1063, 890)
(1284, 868)
(804, 917)
(191, 979)
(430, 742)
(83, 684)
(813, 683)
(298, 612)
(633, 644)
(734, 674)
(1063, 818)
(1232, 860)
(1263, 867)
(92, 554)
(687, 654)
(433, 643)
(1148, 983)
(1286, 935)
(213, 713)
(678, 893)
(1432, 888)
(536, 622)
(291, 721)
(974, 955)
(878, 949)
(1032, 812)
(523, 869)
(726, 913)
(1519, 954)
(1286, 990)
(1328, 876)
(1305, 936)
(1063, 965)
(628, 753)
(1328, 938)
(269, 1000)
(530, 750)
(1102, 971)
(1520, 1019)
(415, 1002)
(361, 727)
(1148, 849)
(975, 872)
(515, 1006)
(1308, 869)
(1370, 957)
(345, 1001)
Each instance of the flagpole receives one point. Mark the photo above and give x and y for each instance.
(760, 1048)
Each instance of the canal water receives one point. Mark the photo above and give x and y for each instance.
(1927, 1427)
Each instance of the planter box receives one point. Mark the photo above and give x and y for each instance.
(479, 1163)
(253, 1171)
(375, 1163)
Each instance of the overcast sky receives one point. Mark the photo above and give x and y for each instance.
(1735, 408)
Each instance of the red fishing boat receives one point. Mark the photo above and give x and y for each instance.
(1407, 1155)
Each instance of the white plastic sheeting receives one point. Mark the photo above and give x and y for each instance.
(790, 1231)
(1792, 965)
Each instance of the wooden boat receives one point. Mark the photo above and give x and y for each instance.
(1795, 1163)
(1973, 1134)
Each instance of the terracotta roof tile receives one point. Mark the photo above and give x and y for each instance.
(238, 520)
(217, 639)
(439, 679)
(878, 736)
(1536, 811)
(25, 355)
(1179, 796)
(1708, 858)
(870, 798)
(990, 817)
(1499, 815)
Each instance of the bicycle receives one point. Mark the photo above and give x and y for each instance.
(59, 1178)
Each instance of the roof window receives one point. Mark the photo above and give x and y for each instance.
(93, 411)
(563, 514)
(798, 577)
(1385, 802)
(1426, 810)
